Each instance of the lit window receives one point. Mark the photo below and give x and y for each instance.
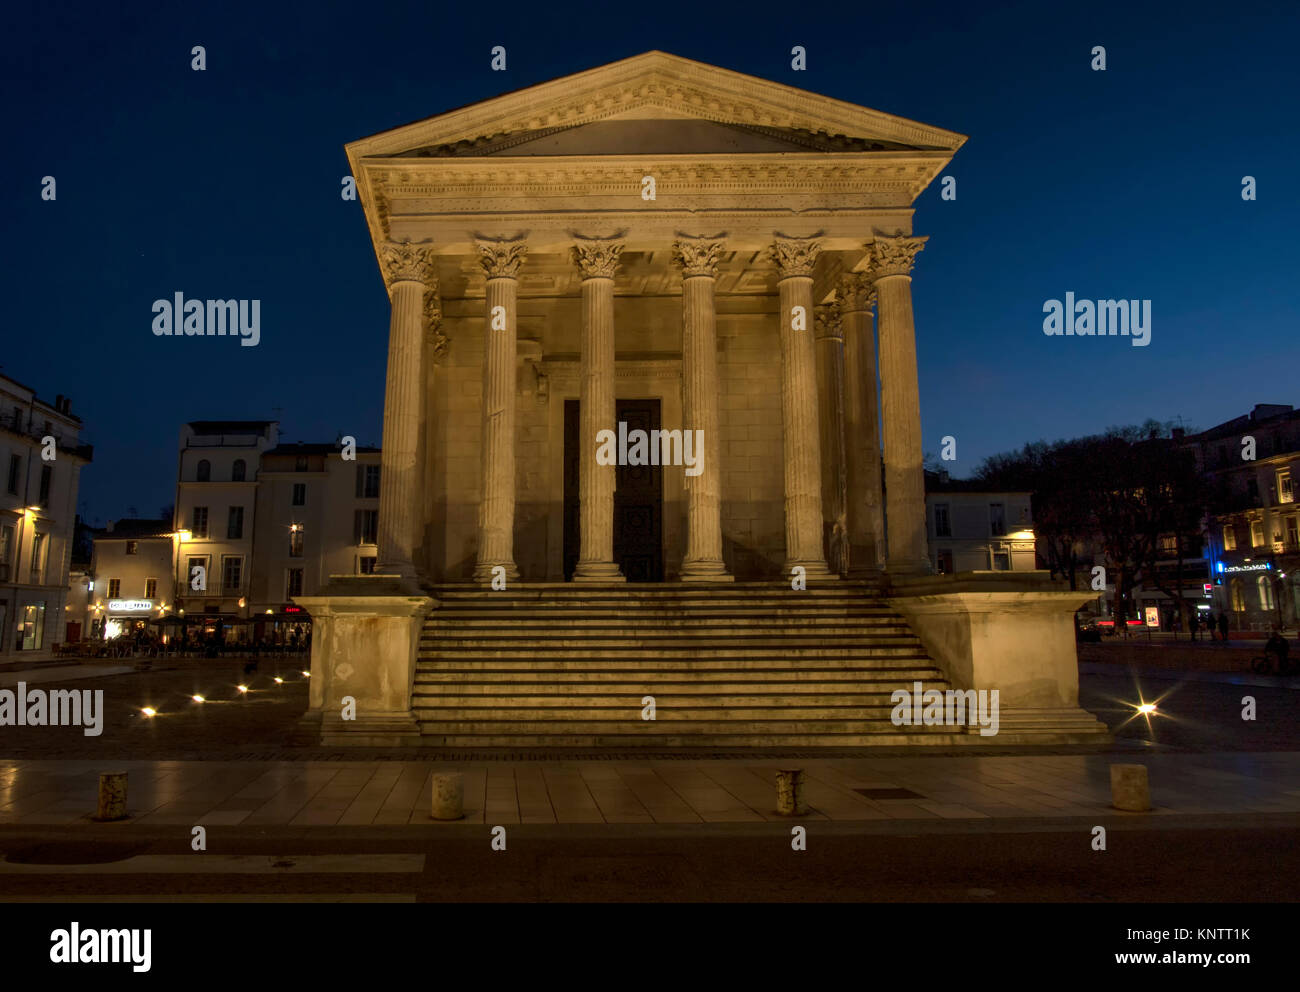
(1229, 538)
(1257, 533)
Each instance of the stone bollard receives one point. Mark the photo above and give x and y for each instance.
(112, 796)
(1129, 789)
(789, 792)
(449, 796)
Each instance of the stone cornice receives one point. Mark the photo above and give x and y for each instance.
(697, 256)
(502, 259)
(795, 256)
(597, 258)
(405, 262)
(894, 256)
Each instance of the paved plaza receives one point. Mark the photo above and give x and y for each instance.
(885, 790)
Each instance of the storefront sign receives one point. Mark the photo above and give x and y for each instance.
(130, 605)
(1262, 566)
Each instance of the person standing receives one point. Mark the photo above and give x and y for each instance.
(1223, 626)
(1193, 624)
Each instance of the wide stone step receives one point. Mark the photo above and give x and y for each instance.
(631, 709)
(651, 657)
(679, 679)
(662, 633)
(507, 694)
(434, 735)
(728, 604)
(878, 704)
(796, 623)
(768, 725)
(654, 645)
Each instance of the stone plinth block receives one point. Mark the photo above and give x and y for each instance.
(1129, 789)
(1010, 631)
(365, 639)
(789, 792)
(448, 796)
(112, 796)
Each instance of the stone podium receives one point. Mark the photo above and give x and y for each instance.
(1010, 631)
(365, 640)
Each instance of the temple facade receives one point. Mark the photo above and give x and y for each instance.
(671, 246)
(652, 432)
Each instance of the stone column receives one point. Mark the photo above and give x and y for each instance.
(794, 258)
(409, 272)
(865, 511)
(698, 259)
(496, 509)
(900, 405)
(830, 405)
(597, 260)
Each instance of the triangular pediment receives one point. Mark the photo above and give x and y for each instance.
(655, 103)
(675, 135)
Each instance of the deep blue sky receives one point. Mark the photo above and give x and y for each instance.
(225, 183)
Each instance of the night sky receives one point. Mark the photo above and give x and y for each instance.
(225, 184)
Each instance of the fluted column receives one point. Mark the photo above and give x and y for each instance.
(794, 258)
(830, 405)
(900, 405)
(597, 260)
(409, 272)
(864, 510)
(496, 510)
(698, 259)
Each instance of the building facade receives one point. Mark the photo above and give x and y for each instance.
(41, 456)
(1252, 465)
(317, 515)
(133, 579)
(971, 529)
(216, 494)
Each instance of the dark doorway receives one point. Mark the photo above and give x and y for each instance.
(638, 498)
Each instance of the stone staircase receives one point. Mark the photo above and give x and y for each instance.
(743, 664)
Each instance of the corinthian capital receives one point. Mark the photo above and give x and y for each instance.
(501, 259)
(827, 322)
(405, 262)
(894, 256)
(855, 292)
(697, 256)
(597, 258)
(795, 256)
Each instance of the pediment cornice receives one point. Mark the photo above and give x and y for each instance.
(660, 82)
